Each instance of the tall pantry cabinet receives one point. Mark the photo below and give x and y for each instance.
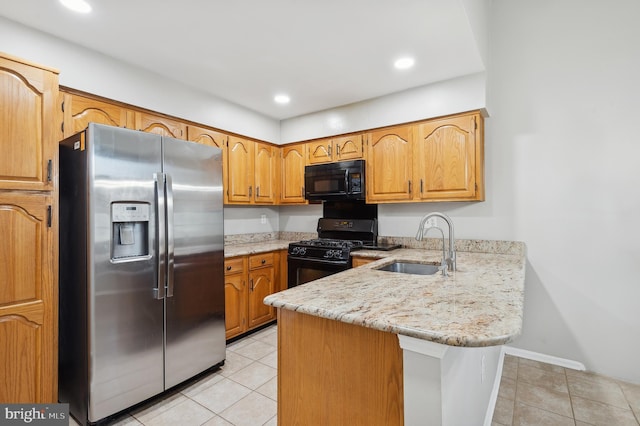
(29, 132)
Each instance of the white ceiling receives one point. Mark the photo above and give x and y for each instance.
(323, 53)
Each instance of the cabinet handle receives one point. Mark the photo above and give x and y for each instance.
(337, 150)
(302, 191)
(251, 282)
(329, 150)
(257, 192)
(421, 186)
(250, 191)
(409, 186)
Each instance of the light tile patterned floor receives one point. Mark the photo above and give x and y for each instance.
(534, 393)
(244, 393)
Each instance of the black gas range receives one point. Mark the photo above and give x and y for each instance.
(331, 252)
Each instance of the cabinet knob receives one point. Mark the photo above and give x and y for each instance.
(264, 261)
(228, 268)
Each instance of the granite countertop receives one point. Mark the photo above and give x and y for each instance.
(480, 304)
(241, 249)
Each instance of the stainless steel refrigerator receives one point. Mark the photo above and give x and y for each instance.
(141, 267)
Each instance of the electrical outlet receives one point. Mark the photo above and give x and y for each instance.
(432, 222)
(263, 219)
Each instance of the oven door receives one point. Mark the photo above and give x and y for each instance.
(303, 270)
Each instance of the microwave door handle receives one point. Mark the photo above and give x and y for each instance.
(346, 182)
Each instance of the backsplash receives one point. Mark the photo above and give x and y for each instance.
(475, 246)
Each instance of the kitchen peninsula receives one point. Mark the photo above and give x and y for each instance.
(373, 347)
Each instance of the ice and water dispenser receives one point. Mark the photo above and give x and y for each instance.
(129, 230)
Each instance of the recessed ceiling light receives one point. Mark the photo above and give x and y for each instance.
(79, 6)
(282, 99)
(404, 63)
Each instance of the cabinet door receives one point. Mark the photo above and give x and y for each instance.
(359, 261)
(389, 166)
(79, 111)
(29, 125)
(265, 173)
(282, 276)
(206, 136)
(28, 300)
(445, 159)
(160, 125)
(239, 171)
(319, 151)
(292, 171)
(235, 308)
(261, 284)
(347, 147)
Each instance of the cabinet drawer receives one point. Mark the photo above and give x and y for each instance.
(260, 260)
(233, 265)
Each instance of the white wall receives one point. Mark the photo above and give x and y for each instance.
(95, 73)
(248, 220)
(446, 97)
(564, 93)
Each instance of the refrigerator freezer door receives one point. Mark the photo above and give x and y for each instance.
(125, 320)
(195, 333)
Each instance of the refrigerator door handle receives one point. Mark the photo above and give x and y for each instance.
(170, 240)
(159, 183)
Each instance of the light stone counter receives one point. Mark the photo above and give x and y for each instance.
(480, 304)
(246, 244)
(232, 250)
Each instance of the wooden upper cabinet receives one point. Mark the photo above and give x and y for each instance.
(292, 174)
(239, 171)
(341, 148)
(28, 299)
(319, 151)
(206, 136)
(265, 173)
(160, 125)
(251, 172)
(448, 159)
(29, 125)
(347, 147)
(389, 165)
(79, 111)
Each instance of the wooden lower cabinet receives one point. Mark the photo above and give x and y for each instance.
(334, 373)
(248, 280)
(359, 261)
(28, 299)
(235, 296)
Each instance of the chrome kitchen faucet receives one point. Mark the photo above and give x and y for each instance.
(448, 262)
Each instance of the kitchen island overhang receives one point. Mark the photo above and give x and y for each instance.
(479, 306)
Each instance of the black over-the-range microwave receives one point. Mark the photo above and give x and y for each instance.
(343, 180)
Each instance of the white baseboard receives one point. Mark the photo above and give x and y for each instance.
(548, 359)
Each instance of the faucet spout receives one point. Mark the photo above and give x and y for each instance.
(448, 260)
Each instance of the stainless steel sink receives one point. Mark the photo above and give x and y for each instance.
(410, 268)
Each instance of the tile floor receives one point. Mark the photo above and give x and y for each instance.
(533, 393)
(244, 393)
